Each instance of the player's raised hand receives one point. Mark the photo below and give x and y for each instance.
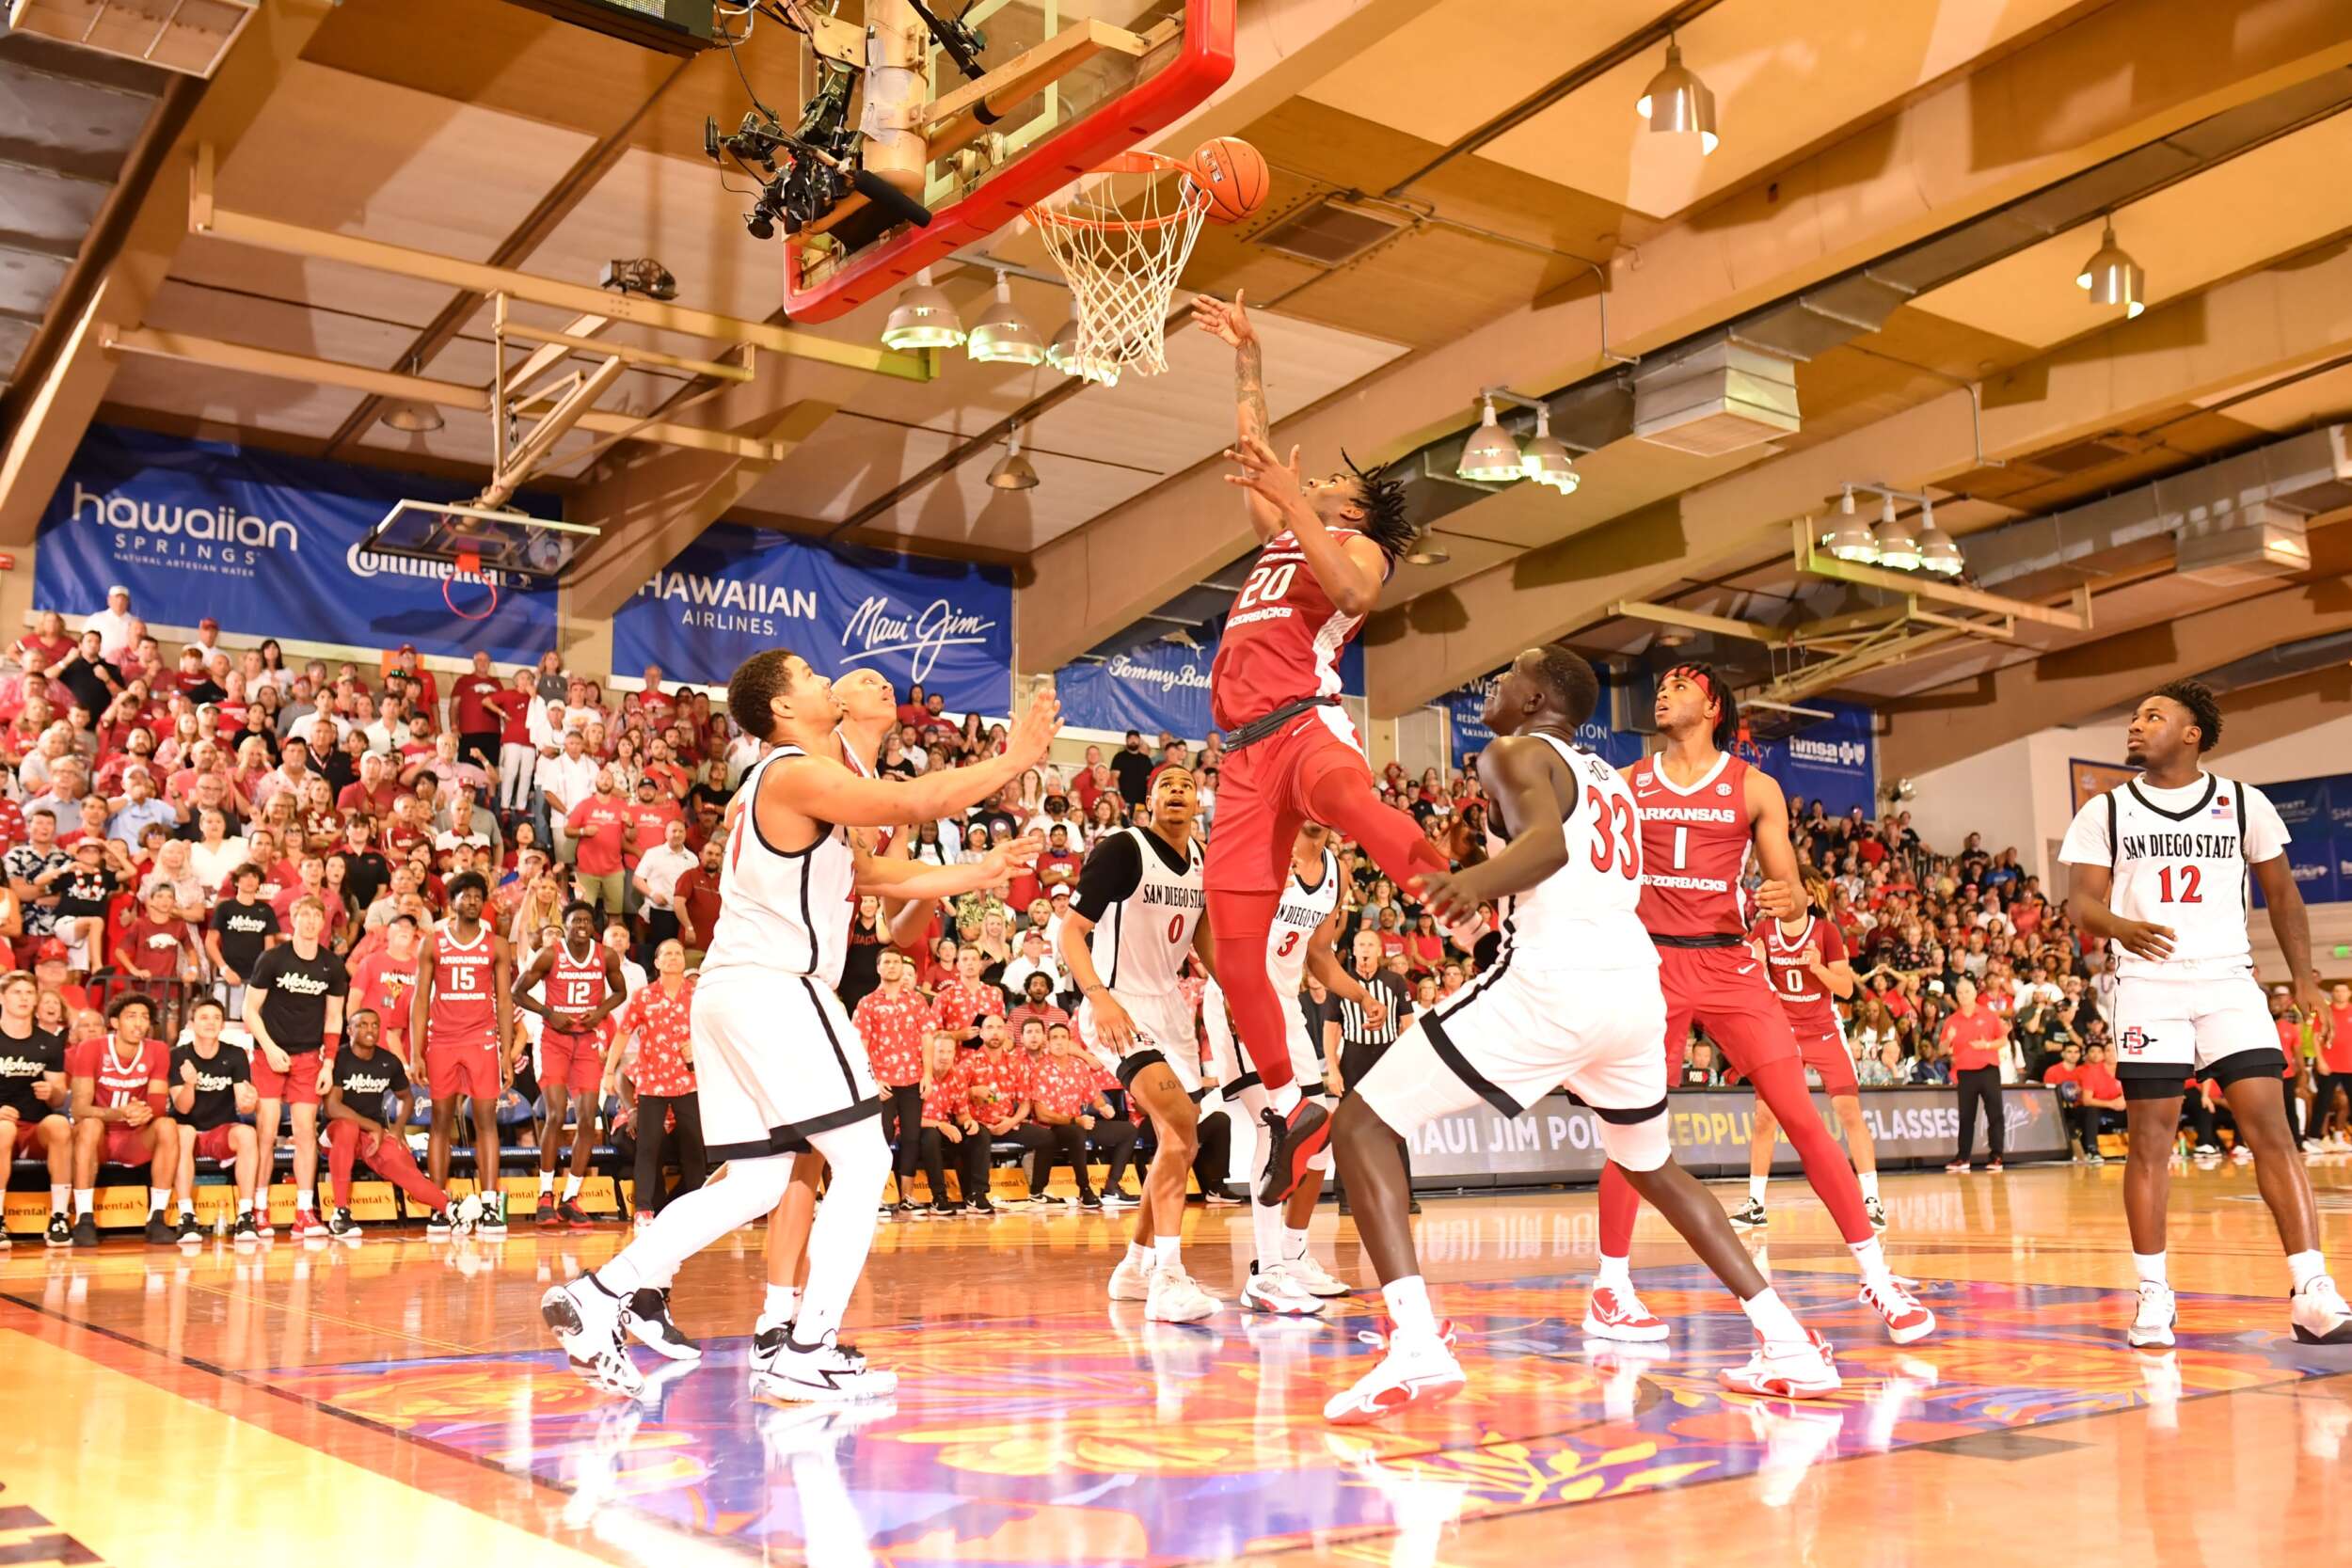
(1443, 894)
(1013, 857)
(2145, 940)
(1034, 735)
(187, 1072)
(1228, 323)
(1262, 472)
(1781, 900)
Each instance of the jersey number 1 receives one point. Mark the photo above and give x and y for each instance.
(1265, 584)
(2192, 884)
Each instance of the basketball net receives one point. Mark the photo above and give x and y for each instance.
(1121, 238)
(469, 564)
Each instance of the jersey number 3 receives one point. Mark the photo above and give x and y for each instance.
(2189, 889)
(1614, 837)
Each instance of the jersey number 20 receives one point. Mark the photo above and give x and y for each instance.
(1614, 837)
(1266, 585)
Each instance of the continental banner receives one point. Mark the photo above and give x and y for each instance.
(1559, 1141)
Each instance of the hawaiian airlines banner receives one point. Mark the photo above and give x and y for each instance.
(1834, 760)
(1465, 706)
(1159, 685)
(737, 589)
(269, 545)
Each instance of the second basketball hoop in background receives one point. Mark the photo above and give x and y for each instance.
(1234, 175)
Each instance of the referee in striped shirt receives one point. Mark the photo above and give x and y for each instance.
(1353, 1041)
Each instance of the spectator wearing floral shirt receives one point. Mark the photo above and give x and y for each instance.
(895, 1022)
(1065, 1106)
(966, 999)
(657, 1022)
(949, 1127)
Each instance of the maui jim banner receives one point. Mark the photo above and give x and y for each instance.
(1159, 685)
(1465, 707)
(1558, 1140)
(269, 545)
(737, 591)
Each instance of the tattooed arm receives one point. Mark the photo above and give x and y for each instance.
(1231, 324)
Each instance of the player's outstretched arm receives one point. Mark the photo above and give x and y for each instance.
(910, 879)
(820, 787)
(2290, 922)
(1524, 775)
(1231, 326)
(1351, 572)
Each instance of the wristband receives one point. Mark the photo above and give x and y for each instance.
(328, 1041)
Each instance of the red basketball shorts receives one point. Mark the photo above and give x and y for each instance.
(1725, 991)
(212, 1143)
(128, 1146)
(1826, 1054)
(298, 1086)
(462, 1067)
(575, 1062)
(1261, 798)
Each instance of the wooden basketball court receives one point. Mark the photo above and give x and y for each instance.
(398, 1396)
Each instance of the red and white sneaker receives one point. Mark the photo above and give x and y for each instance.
(1906, 1320)
(1617, 1313)
(306, 1225)
(1799, 1370)
(1417, 1369)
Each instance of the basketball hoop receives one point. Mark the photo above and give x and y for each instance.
(469, 564)
(1122, 239)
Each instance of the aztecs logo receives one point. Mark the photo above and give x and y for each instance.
(2135, 1040)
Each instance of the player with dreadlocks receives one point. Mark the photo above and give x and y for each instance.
(1292, 754)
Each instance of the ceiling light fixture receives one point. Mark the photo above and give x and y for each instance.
(1003, 336)
(924, 318)
(1491, 455)
(2112, 277)
(1898, 548)
(1938, 551)
(1545, 458)
(1849, 538)
(1012, 471)
(411, 417)
(1677, 103)
(1426, 551)
(1062, 354)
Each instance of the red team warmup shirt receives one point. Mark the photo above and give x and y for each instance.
(2335, 1051)
(1976, 1040)
(1283, 639)
(463, 1012)
(574, 986)
(1803, 995)
(386, 985)
(117, 1080)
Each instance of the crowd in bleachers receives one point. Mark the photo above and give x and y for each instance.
(162, 810)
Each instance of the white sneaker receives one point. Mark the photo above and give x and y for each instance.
(1276, 1290)
(1418, 1369)
(1131, 1279)
(1906, 1320)
(2152, 1323)
(1178, 1298)
(826, 1372)
(1312, 1276)
(1800, 1369)
(2240, 1154)
(587, 1320)
(2319, 1314)
(1750, 1215)
(1615, 1312)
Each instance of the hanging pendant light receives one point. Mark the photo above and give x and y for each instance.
(1849, 538)
(1491, 455)
(1003, 336)
(1012, 471)
(1677, 103)
(923, 318)
(1546, 459)
(1939, 552)
(1898, 548)
(1062, 354)
(2111, 278)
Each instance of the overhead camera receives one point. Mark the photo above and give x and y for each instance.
(641, 274)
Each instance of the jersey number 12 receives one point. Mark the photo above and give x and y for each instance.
(2191, 881)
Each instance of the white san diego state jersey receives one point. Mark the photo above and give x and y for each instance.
(1296, 920)
(1584, 916)
(2181, 860)
(779, 913)
(1145, 899)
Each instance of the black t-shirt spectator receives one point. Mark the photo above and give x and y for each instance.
(86, 889)
(88, 682)
(294, 1012)
(24, 1063)
(364, 877)
(205, 690)
(244, 931)
(1133, 769)
(365, 1085)
(1000, 823)
(216, 1082)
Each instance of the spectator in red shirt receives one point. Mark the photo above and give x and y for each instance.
(697, 899)
(653, 811)
(158, 944)
(967, 1001)
(373, 791)
(1974, 1035)
(895, 1022)
(419, 681)
(472, 715)
(949, 1125)
(1037, 1004)
(1057, 866)
(604, 826)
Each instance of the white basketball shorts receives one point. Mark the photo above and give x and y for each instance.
(776, 1059)
(1164, 1032)
(2166, 1028)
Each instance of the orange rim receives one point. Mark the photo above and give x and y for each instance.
(1132, 162)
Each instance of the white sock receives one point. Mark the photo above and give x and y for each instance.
(158, 1199)
(571, 1187)
(1774, 1321)
(621, 1275)
(1870, 1259)
(547, 1183)
(783, 1301)
(1614, 1274)
(1408, 1302)
(1139, 1255)
(1265, 1231)
(1284, 1099)
(60, 1193)
(1165, 1250)
(187, 1208)
(2306, 1267)
(1755, 1187)
(308, 1199)
(85, 1200)
(1869, 1179)
(1294, 1242)
(245, 1206)
(2149, 1266)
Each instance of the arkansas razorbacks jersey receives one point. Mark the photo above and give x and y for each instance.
(1283, 637)
(1695, 843)
(1802, 994)
(462, 1011)
(575, 985)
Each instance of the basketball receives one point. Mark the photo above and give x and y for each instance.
(1232, 175)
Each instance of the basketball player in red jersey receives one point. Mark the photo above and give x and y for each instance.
(583, 986)
(1291, 754)
(462, 1023)
(1702, 811)
(1805, 959)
